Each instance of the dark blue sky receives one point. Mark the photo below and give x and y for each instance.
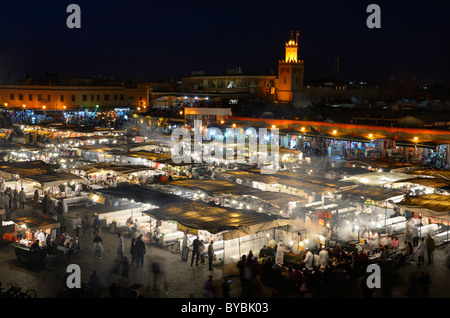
(146, 40)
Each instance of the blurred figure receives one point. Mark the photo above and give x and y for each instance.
(209, 288)
(94, 280)
(226, 287)
(158, 275)
(421, 252)
(424, 284)
(120, 246)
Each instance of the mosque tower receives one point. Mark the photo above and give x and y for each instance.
(290, 71)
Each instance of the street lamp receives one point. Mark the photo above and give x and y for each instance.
(415, 145)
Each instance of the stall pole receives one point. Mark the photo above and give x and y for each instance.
(385, 215)
(420, 229)
(224, 249)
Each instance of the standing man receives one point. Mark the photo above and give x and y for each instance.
(45, 202)
(34, 249)
(429, 242)
(98, 245)
(195, 251)
(2, 188)
(415, 235)
(6, 198)
(140, 251)
(211, 255)
(22, 198)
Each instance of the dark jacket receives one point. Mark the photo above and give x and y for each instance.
(140, 247)
(196, 244)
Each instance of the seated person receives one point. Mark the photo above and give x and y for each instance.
(70, 247)
(130, 224)
(157, 234)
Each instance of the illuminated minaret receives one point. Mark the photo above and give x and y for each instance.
(292, 48)
(290, 71)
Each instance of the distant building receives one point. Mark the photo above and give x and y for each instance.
(288, 87)
(56, 97)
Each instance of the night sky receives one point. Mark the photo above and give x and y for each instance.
(157, 40)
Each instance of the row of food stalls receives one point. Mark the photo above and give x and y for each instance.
(311, 188)
(64, 136)
(395, 193)
(41, 176)
(347, 141)
(229, 194)
(234, 231)
(371, 203)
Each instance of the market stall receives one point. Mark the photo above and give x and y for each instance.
(375, 208)
(423, 185)
(432, 211)
(110, 174)
(29, 229)
(311, 188)
(208, 221)
(230, 194)
(377, 178)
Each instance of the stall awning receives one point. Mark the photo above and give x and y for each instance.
(371, 193)
(98, 167)
(223, 187)
(437, 183)
(50, 179)
(191, 214)
(21, 148)
(385, 163)
(207, 217)
(163, 158)
(378, 178)
(109, 149)
(432, 205)
(140, 194)
(437, 173)
(37, 223)
(26, 169)
(304, 183)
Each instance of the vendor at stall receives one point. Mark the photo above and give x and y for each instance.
(375, 241)
(41, 236)
(130, 225)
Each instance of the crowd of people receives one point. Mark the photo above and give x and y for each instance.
(328, 272)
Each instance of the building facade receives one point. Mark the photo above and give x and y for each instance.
(71, 97)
